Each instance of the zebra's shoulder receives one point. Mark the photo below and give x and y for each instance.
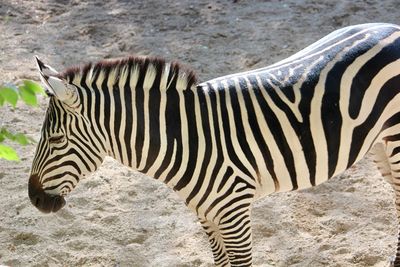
(134, 68)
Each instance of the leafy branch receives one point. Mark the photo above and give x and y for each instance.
(10, 94)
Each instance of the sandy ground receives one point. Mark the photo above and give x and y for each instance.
(118, 217)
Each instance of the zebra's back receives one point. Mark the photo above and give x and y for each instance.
(309, 117)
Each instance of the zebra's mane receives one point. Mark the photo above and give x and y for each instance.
(146, 69)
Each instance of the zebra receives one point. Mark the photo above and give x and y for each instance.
(224, 143)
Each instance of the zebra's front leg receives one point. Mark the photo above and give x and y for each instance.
(216, 242)
(231, 238)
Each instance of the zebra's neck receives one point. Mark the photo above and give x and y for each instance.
(138, 106)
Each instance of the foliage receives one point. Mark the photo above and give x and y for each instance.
(10, 94)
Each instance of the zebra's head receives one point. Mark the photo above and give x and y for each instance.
(65, 152)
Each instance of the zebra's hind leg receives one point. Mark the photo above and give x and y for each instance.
(382, 163)
(231, 238)
(387, 158)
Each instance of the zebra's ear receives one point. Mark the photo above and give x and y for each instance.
(54, 85)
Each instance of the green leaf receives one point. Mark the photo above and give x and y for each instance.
(28, 95)
(9, 94)
(8, 153)
(21, 139)
(6, 133)
(1, 101)
(34, 87)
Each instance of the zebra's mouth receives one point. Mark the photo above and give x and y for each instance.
(40, 199)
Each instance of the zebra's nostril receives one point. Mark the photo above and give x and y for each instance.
(35, 190)
(37, 202)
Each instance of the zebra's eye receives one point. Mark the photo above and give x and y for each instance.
(56, 139)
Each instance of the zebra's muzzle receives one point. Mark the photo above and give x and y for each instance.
(40, 199)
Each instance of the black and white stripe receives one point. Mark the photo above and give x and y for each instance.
(228, 141)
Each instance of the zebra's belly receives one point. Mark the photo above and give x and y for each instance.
(300, 174)
(285, 181)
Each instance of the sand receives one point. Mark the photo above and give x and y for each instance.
(118, 217)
